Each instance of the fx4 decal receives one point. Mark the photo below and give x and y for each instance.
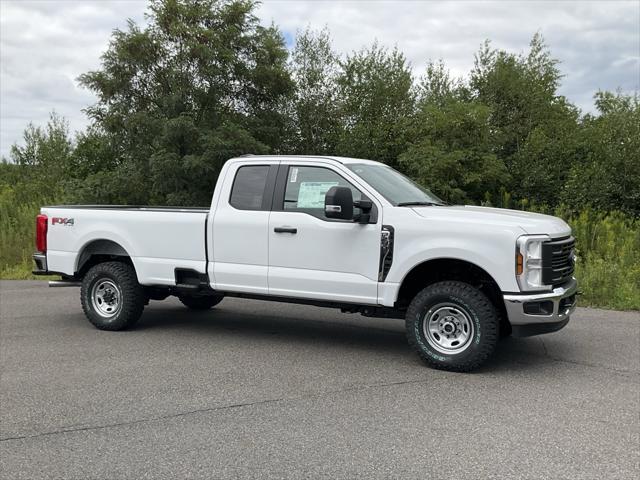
(62, 221)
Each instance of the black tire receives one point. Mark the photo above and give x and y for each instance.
(467, 304)
(200, 302)
(128, 302)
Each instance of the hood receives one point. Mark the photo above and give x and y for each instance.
(531, 223)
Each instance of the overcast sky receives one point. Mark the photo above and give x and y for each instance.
(46, 44)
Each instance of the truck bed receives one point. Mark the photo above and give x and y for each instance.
(157, 239)
(146, 208)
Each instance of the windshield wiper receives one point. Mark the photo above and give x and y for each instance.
(419, 204)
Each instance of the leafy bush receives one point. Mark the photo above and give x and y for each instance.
(17, 227)
(608, 267)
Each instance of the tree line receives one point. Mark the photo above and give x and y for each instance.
(204, 81)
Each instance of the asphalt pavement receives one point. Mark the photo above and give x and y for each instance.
(265, 390)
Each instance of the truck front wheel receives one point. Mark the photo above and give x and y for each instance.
(453, 326)
(112, 298)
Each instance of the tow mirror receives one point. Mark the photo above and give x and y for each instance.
(338, 203)
(365, 205)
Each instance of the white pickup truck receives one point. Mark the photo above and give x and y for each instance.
(338, 232)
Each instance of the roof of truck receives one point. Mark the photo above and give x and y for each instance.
(302, 158)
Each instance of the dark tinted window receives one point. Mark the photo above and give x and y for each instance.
(248, 187)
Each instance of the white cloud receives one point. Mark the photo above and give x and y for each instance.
(598, 43)
(46, 44)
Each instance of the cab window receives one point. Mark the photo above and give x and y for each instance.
(248, 187)
(307, 186)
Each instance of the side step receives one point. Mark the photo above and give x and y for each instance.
(64, 283)
(191, 281)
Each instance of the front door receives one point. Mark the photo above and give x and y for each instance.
(312, 256)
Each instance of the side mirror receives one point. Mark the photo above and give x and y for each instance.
(338, 203)
(365, 206)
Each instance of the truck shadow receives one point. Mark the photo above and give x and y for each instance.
(380, 336)
(285, 326)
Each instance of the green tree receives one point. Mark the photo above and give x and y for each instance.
(201, 82)
(438, 87)
(43, 163)
(377, 101)
(315, 117)
(606, 175)
(38, 173)
(452, 153)
(533, 127)
(46, 151)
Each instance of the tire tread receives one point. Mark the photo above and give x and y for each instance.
(484, 309)
(133, 295)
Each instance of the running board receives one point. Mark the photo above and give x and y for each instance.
(64, 283)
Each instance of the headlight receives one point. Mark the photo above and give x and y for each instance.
(529, 262)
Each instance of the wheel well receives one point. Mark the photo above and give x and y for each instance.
(442, 269)
(99, 251)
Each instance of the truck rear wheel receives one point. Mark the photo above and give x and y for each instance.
(453, 326)
(200, 303)
(112, 298)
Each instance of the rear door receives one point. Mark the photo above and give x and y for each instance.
(311, 256)
(241, 228)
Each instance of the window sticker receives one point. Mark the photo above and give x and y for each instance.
(294, 175)
(311, 194)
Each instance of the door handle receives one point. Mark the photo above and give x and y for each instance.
(285, 230)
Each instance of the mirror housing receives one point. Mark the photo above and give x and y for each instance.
(365, 205)
(338, 203)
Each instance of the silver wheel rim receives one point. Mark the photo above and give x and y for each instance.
(448, 328)
(106, 298)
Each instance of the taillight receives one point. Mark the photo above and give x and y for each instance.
(41, 233)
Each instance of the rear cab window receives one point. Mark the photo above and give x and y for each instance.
(249, 186)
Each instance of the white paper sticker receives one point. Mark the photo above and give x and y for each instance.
(294, 175)
(311, 194)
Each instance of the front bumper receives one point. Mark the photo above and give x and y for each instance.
(533, 314)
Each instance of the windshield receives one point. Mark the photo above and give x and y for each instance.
(394, 186)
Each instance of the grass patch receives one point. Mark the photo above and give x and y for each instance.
(17, 236)
(22, 271)
(17, 233)
(608, 267)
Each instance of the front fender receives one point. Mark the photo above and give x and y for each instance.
(496, 259)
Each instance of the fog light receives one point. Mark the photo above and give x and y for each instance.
(538, 308)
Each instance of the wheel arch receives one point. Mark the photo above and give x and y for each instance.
(98, 251)
(435, 270)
